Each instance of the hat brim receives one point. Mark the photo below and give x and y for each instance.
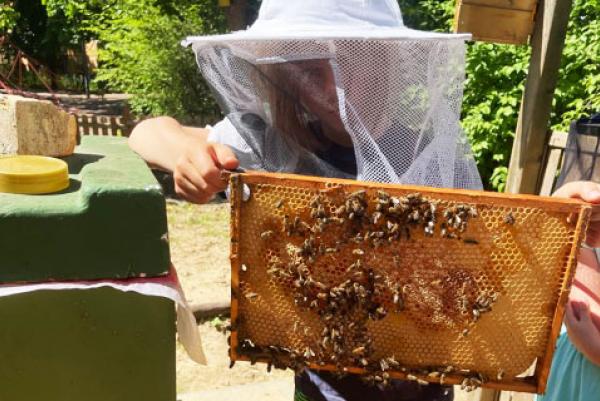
(371, 34)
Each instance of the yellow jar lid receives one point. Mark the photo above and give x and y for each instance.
(33, 174)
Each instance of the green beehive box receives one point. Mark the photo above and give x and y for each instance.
(110, 223)
(100, 344)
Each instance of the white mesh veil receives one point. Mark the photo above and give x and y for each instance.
(308, 101)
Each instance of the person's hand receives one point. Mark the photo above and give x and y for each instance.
(197, 173)
(589, 192)
(583, 332)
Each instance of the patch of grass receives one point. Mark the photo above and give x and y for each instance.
(211, 220)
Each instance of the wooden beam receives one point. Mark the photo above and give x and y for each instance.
(547, 43)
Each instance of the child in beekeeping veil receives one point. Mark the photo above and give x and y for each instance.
(335, 88)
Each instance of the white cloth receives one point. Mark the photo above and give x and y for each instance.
(165, 287)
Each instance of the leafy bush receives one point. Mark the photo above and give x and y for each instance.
(8, 17)
(142, 56)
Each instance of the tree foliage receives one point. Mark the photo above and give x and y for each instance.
(142, 55)
(8, 17)
(496, 76)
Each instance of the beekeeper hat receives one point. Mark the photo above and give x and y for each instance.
(327, 19)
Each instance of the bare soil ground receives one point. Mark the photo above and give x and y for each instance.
(199, 237)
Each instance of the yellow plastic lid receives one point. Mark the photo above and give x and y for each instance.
(33, 174)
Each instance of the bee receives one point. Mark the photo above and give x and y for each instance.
(358, 252)
(465, 332)
(340, 210)
(393, 362)
(358, 350)
(509, 219)
(357, 194)
(422, 382)
(251, 295)
(266, 234)
(308, 353)
(279, 203)
(383, 195)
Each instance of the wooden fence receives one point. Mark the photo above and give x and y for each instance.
(94, 124)
(555, 152)
(91, 124)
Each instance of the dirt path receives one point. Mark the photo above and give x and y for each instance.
(199, 237)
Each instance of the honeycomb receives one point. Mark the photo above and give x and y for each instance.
(476, 299)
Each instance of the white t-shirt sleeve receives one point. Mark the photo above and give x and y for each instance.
(225, 133)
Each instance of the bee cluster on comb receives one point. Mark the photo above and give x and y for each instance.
(373, 281)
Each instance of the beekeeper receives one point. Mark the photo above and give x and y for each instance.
(336, 88)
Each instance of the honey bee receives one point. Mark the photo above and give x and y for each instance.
(266, 234)
(509, 219)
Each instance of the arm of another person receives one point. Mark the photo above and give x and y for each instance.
(196, 164)
(583, 326)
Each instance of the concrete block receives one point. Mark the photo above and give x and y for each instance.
(35, 127)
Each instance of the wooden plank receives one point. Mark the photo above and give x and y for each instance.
(85, 125)
(104, 123)
(548, 39)
(114, 127)
(492, 24)
(236, 196)
(525, 5)
(558, 139)
(94, 125)
(554, 157)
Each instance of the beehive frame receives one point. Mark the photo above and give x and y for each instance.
(259, 200)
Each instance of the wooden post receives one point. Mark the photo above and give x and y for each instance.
(525, 168)
(547, 43)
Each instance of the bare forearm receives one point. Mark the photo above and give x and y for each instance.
(162, 141)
